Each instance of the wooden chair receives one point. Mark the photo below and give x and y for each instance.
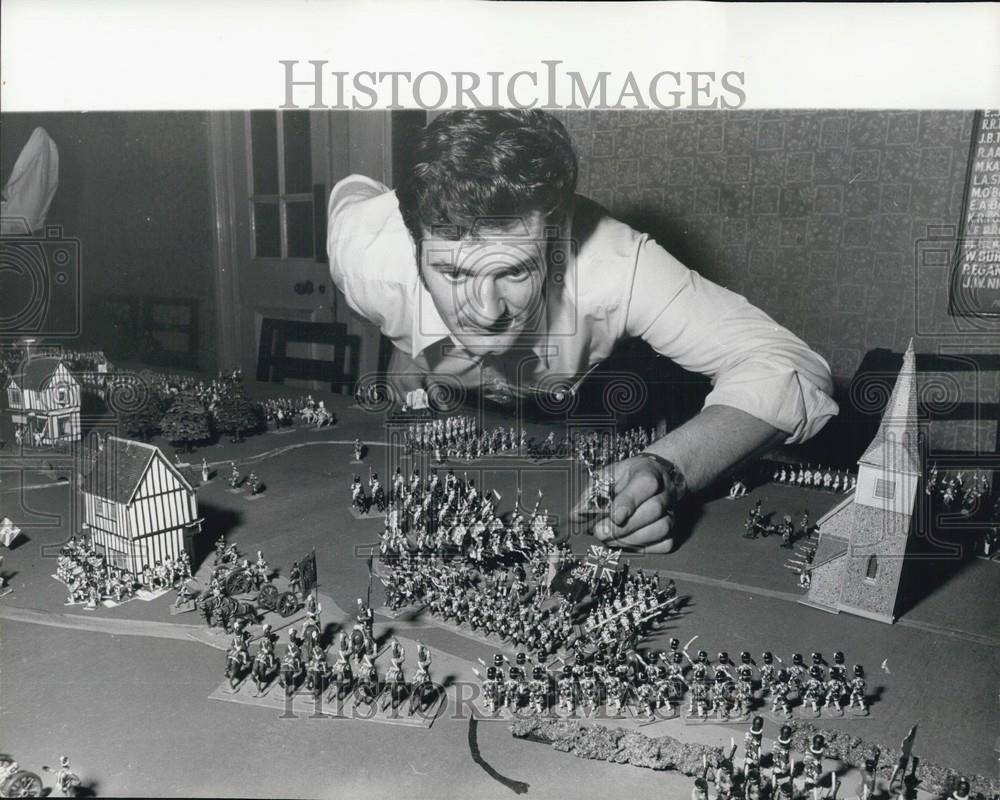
(274, 364)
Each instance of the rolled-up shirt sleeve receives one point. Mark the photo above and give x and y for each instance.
(754, 364)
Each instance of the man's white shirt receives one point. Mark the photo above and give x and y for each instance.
(615, 283)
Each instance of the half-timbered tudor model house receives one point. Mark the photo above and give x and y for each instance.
(44, 398)
(138, 506)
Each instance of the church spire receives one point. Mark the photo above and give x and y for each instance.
(895, 445)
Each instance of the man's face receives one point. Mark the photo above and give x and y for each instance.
(488, 287)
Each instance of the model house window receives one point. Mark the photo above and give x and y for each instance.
(62, 395)
(871, 569)
(885, 489)
(281, 203)
(15, 396)
(104, 509)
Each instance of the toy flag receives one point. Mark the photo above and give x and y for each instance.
(307, 573)
(602, 562)
(906, 747)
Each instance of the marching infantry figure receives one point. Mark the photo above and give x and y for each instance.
(858, 687)
(812, 765)
(751, 745)
(767, 672)
(781, 690)
(491, 691)
(234, 476)
(781, 758)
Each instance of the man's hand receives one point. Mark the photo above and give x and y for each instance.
(641, 514)
(403, 375)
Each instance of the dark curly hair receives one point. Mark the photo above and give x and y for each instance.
(472, 164)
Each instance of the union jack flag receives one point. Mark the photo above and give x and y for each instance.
(602, 562)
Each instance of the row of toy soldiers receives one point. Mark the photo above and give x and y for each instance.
(819, 478)
(812, 685)
(597, 450)
(617, 682)
(465, 440)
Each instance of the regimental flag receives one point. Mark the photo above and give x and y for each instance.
(602, 562)
(307, 573)
(906, 748)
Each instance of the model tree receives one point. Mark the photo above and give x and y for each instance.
(144, 421)
(186, 422)
(235, 414)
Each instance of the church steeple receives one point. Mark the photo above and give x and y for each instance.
(895, 447)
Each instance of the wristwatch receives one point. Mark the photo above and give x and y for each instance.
(675, 478)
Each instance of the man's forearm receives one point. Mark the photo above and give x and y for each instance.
(717, 439)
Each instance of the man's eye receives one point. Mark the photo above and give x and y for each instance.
(454, 276)
(518, 274)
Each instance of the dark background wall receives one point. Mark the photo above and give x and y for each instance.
(134, 188)
(818, 217)
(821, 218)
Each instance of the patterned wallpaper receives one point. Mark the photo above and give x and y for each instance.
(834, 222)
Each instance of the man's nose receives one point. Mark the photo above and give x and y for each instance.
(492, 308)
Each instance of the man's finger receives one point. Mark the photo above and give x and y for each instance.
(647, 536)
(647, 513)
(639, 487)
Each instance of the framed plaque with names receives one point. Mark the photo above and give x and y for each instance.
(975, 278)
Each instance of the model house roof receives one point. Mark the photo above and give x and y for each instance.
(115, 472)
(35, 373)
(895, 446)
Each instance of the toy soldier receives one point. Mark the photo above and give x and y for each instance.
(292, 649)
(787, 531)
(65, 778)
(366, 619)
(261, 569)
(767, 671)
(751, 745)
(538, 690)
(814, 688)
(491, 691)
(700, 789)
(858, 687)
(812, 764)
(183, 595)
(834, 692)
(204, 470)
(781, 690)
(781, 757)
(295, 578)
(724, 780)
(796, 671)
(752, 789)
(234, 476)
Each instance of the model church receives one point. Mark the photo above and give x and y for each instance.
(862, 540)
